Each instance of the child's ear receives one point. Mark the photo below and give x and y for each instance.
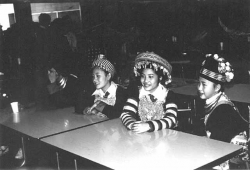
(217, 87)
(109, 76)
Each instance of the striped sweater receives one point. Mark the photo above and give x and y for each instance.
(131, 114)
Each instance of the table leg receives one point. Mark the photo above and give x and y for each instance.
(57, 161)
(24, 153)
(75, 164)
(195, 110)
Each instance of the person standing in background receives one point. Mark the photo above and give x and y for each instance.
(42, 58)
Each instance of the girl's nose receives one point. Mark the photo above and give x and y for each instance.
(145, 80)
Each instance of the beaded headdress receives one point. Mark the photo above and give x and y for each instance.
(155, 62)
(104, 64)
(216, 69)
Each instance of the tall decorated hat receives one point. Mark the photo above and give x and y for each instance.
(216, 69)
(154, 61)
(104, 64)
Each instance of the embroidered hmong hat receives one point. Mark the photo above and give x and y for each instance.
(104, 64)
(154, 61)
(216, 69)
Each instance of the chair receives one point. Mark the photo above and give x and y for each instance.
(185, 116)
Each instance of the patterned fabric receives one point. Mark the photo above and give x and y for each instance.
(241, 139)
(104, 64)
(216, 69)
(150, 110)
(214, 75)
(62, 82)
(160, 93)
(109, 97)
(159, 115)
(154, 61)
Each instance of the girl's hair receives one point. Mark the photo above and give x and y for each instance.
(161, 77)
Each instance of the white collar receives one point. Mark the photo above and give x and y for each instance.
(112, 91)
(214, 97)
(160, 93)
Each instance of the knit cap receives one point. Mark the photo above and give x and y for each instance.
(216, 69)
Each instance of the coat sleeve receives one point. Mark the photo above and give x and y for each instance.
(129, 112)
(115, 111)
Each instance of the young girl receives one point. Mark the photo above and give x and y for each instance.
(108, 96)
(151, 107)
(222, 120)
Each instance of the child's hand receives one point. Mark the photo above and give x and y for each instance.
(101, 115)
(86, 110)
(94, 111)
(90, 111)
(140, 127)
(52, 74)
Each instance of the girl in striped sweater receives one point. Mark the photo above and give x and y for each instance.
(151, 105)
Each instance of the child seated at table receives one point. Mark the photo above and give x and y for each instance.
(108, 96)
(222, 119)
(151, 105)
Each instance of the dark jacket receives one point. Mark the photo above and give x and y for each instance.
(224, 123)
(86, 100)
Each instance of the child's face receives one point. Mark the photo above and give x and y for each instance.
(206, 88)
(101, 79)
(149, 80)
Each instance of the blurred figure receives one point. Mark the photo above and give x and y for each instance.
(18, 61)
(42, 58)
(62, 87)
(64, 46)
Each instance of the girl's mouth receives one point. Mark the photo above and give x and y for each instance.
(200, 93)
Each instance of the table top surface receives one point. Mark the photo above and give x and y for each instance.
(38, 124)
(238, 92)
(109, 143)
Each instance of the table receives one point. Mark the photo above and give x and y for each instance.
(39, 124)
(110, 144)
(238, 92)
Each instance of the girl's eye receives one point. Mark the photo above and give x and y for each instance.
(150, 77)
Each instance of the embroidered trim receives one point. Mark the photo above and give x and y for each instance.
(213, 75)
(149, 110)
(224, 68)
(155, 62)
(160, 93)
(109, 101)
